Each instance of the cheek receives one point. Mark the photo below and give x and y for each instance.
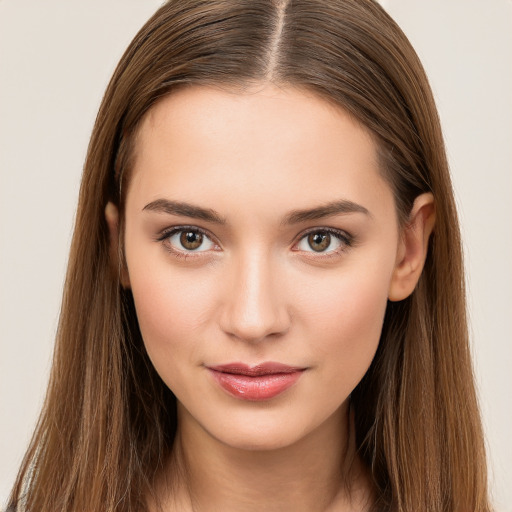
(346, 320)
(172, 310)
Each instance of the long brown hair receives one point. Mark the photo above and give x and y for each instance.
(108, 422)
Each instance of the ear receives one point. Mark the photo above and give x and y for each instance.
(116, 260)
(412, 248)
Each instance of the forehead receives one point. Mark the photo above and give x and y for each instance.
(280, 144)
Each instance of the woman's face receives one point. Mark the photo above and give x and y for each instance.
(261, 241)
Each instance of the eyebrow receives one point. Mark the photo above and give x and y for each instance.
(340, 207)
(185, 209)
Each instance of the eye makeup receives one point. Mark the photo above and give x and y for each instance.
(312, 242)
(323, 238)
(190, 235)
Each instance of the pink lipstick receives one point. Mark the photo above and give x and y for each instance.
(257, 383)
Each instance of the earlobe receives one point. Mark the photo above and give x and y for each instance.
(413, 247)
(118, 266)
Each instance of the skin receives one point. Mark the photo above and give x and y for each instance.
(256, 290)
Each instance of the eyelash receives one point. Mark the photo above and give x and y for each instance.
(166, 234)
(346, 239)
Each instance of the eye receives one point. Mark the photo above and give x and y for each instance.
(187, 239)
(324, 241)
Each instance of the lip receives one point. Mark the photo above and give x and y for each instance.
(256, 383)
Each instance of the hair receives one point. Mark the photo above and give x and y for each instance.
(108, 421)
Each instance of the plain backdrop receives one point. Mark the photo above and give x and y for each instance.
(56, 58)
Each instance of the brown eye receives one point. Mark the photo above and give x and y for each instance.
(191, 240)
(325, 241)
(186, 240)
(319, 241)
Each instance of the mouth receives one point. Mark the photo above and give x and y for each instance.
(257, 383)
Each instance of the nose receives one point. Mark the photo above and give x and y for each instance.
(254, 308)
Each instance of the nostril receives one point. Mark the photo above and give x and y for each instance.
(256, 333)
(254, 323)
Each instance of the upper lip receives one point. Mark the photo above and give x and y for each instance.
(266, 368)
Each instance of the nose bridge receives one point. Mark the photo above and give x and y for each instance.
(255, 307)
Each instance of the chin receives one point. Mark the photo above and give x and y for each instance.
(269, 431)
(261, 441)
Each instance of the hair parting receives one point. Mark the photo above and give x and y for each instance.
(108, 423)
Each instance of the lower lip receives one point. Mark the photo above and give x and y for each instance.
(258, 388)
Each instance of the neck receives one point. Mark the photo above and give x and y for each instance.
(321, 472)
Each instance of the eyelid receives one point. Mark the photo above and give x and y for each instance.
(166, 233)
(345, 238)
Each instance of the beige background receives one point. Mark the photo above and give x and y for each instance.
(56, 57)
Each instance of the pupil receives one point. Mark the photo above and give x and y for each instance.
(191, 240)
(319, 241)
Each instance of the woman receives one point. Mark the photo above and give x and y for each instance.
(264, 305)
